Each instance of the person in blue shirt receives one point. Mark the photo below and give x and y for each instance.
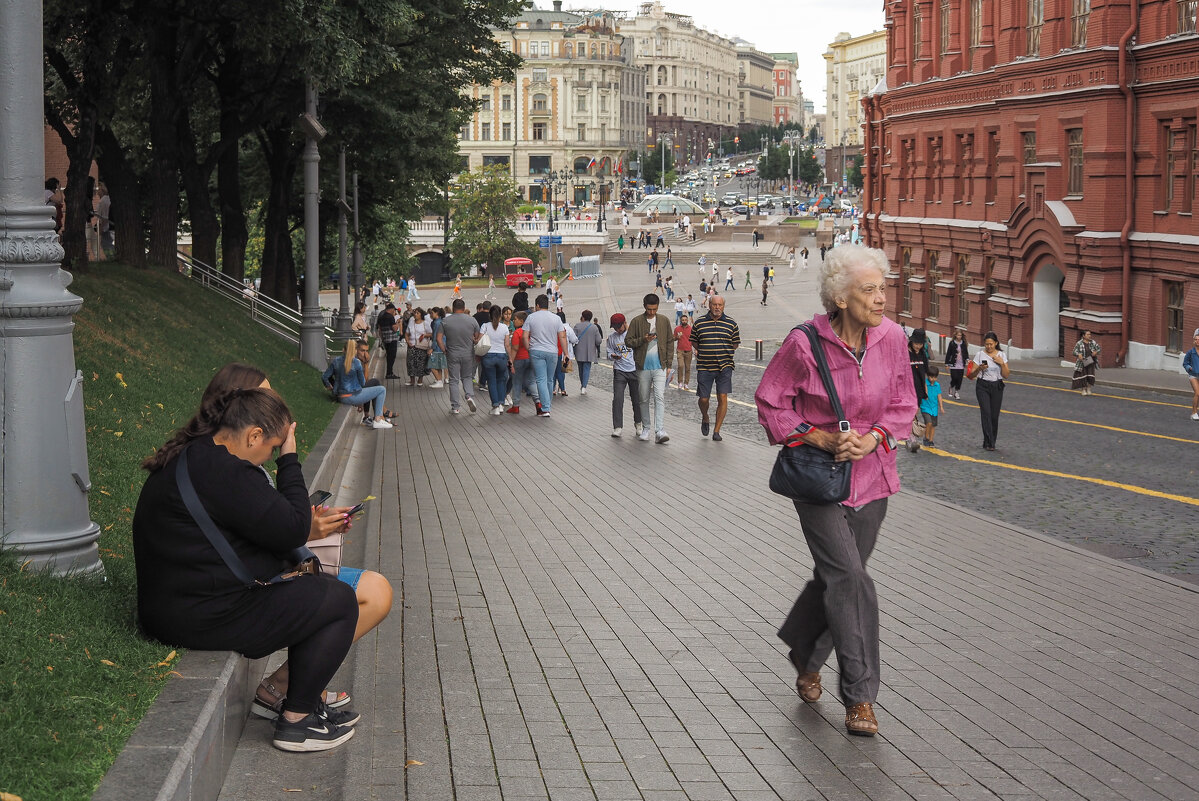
(1190, 363)
(931, 405)
(624, 375)
(344, 377)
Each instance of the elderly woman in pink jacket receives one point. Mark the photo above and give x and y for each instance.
(867, 357)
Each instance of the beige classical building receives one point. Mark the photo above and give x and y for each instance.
(854, 66)
(578, 103)
(788, 104)
(755, 86)
(692, 84)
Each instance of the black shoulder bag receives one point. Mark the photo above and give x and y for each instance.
(805, 473)
(306, 561)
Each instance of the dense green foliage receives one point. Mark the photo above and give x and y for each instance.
(482, 210)
(190, 110)
(76, 677)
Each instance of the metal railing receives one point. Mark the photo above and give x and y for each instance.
(267, 312)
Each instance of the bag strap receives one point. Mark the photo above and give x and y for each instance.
(825, 375)
(215, 538)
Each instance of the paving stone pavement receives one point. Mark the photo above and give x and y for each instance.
(583, 617)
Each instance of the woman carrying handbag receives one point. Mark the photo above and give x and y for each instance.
(866, 367)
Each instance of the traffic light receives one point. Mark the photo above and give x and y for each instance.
(736, 140)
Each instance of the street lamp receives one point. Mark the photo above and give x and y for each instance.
(664, 141)
(791, 138)
(600, 186)
(557, 180)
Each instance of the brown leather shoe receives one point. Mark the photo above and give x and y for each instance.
(808, 687)
(860, 720)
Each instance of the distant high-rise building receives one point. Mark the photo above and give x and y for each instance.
(578, 103)
(692, 85)
(755, 86)
(855, 65)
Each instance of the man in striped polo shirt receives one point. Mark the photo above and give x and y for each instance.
(715, 338)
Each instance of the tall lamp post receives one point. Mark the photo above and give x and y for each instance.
(44, 477)
(791, 138)
(312, 323)
(664, 141)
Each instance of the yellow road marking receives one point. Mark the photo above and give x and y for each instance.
(1101, 395)
(1054, 473)
(1088, 425)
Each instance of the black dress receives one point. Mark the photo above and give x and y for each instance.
(187, 596)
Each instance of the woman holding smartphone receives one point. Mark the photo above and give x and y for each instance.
(988, 367)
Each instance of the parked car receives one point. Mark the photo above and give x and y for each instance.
(740, 209)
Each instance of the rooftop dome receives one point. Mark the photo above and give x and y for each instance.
(665, 204)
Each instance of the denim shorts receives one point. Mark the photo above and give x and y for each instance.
(349, 575)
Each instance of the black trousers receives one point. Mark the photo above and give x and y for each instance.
(990, 402)
(392, 348)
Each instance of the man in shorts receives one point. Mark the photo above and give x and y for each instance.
(715, 338)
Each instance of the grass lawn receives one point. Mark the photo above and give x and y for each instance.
(75, 677)
(803, 222)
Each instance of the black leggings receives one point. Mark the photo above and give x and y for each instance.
(392, 349)
(990, 403)
(313, 660)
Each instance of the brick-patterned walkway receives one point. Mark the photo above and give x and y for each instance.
(596, 620)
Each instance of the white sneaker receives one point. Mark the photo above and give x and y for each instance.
(455, 411)
(497, 410)
(508, 401)
(470, 402)
(616, 432)
(583, 391)
(381, 424)
(662, 438)
(437, 385)
(639, 428)
(644, 435)
(1195, 416)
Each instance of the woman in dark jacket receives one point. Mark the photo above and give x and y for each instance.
(956, 356)
(189, 596)
(918, 357)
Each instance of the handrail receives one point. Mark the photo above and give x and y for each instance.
(266, 311)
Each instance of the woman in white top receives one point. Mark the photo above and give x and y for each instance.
(496, 366)
(420, 342)
(989, 366)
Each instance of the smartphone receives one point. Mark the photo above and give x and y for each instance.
(357, 510)
(319, 497)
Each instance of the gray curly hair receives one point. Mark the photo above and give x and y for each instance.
(837, 271)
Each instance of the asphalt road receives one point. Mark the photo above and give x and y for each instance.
(1054, 448)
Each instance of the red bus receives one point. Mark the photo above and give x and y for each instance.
(517, 270)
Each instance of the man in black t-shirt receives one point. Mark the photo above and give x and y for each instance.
(520, 300)
(388, 328)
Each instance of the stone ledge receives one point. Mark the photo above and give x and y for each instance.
(181, 749)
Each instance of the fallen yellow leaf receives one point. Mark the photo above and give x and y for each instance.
(167, 661)
(160, 406)
(9, 797)
(106, 662)
(412, 762)
(121, 378)
(50, 668)
(118, 433)
(369, 498)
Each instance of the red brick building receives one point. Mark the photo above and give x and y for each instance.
(1033, 169)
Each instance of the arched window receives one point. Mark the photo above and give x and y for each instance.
(570, 50)
(905, 277)
(594, 50)
(581, 165)
(540, 102)
(662, 75)
(661, 105)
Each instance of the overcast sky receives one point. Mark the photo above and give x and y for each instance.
(805, 27)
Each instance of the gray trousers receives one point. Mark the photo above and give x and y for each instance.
(838, 609)
(462, 371)
(620, 382)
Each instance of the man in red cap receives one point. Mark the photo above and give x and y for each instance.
(624, 375)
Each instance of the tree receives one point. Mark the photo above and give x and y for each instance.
(482, 211)
(854, 173)
(813, 134)
(808, 167)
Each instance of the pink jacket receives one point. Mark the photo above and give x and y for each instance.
(879, 393)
